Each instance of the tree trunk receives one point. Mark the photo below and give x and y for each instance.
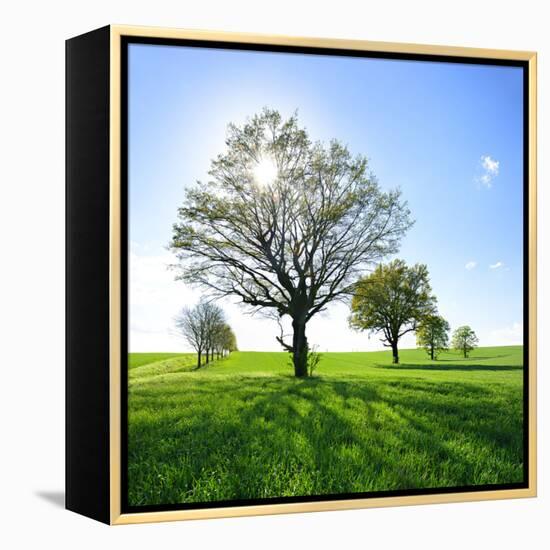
(432, 352)
(199, 359)
(300, 349)
(395, 353)
(207, 356)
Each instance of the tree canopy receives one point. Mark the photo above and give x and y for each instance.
(285, 224)
(392, 300)
(432, 334)
(225, 340)
(464, 340)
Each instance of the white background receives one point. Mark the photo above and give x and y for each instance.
(32, 274)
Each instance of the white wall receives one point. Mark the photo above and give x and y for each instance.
(32, 274)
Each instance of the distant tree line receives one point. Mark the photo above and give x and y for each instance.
(393, 300)
(206, 330)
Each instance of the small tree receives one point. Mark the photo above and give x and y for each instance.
(392, 300)
(214, 320)
(218, 342)
(465, 340)
(221, 343)
(432, 335)
(229, 340)
(189, 323)
(313, 360)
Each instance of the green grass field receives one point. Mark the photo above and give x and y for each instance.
(245, 428)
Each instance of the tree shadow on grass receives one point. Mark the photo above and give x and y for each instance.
(412, 419)
(460, 358)
(438, 367)
(277, 437)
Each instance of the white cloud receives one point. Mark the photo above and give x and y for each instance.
(470, 265)
(498, 265)
(490, 165)
(490, 168)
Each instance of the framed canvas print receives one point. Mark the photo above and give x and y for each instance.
(301, 274)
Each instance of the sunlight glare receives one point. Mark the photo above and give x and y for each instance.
(265, 171)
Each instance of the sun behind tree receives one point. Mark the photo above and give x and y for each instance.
(285, 225)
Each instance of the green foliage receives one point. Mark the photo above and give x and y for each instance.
(392, 300)
(464, 339)
(243, 428)
(227, 340)
(432, 334)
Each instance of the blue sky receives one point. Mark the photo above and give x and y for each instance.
(449, 135)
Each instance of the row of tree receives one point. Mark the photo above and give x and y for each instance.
(393, 300)
(433, 335)
(205, 328)
(396, 299)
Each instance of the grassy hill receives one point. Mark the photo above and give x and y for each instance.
(243, 427)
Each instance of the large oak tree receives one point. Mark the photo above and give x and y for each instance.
(285, 224)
